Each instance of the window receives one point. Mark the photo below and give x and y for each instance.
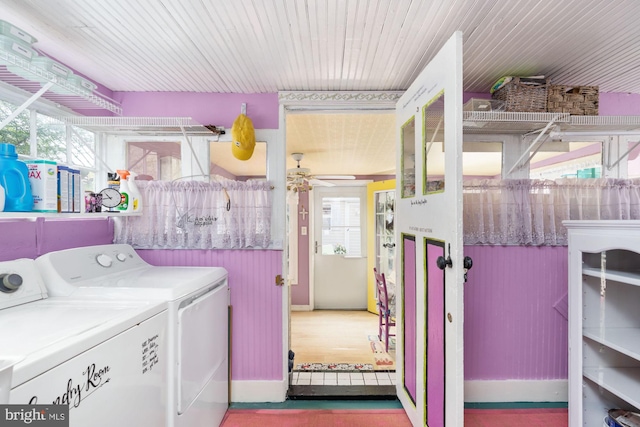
(434, 145)
(155, 160)
(567, 160)
(341, 234)
(53, 139)
(17, 131)
(409, 158)
(51, 135)
(223, 163)
(482, 160)
(633, 160)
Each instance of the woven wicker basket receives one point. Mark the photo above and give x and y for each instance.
(524, 95)
(576, 100)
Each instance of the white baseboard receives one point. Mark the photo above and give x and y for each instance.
(259, 391)
(516, 391)
(301, 308)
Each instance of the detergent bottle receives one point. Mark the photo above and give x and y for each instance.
(126, 204)
(14, 179)
(135, 195)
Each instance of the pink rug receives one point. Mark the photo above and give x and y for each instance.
(388, 417)
(516, 418)
(315, 418)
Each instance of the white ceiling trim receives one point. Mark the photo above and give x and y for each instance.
(342, 100)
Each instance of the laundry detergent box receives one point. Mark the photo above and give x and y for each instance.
(43, 177)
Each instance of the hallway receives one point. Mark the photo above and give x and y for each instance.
(339, 348)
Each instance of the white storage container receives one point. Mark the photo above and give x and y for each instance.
(82, 83)
(52, 66)
(16, 33)
(16, 47)
(43, 179)
(75, 81)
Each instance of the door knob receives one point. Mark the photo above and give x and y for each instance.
(443, 263)
(467, 263)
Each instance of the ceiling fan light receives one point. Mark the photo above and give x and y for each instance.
(299, 171)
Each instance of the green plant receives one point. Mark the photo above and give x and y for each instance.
(339, 249)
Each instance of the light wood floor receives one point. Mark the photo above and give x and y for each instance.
(332, 336)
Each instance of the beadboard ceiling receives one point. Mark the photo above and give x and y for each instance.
(265, 46)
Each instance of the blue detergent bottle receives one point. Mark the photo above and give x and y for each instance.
(14, 178)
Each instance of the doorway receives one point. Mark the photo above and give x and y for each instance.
(317, 295)
(337, 349)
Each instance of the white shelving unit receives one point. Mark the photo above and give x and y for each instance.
(17, 72)
(604, 319)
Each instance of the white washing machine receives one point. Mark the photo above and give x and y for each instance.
(103, 359)
(198, 301)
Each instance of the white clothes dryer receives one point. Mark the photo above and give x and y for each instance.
(198, 301)
(101, 358)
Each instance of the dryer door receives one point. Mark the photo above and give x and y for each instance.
(202, 343)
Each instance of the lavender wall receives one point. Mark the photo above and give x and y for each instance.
(218, 109)
(300, 292)
(515, 313)
(256, 325)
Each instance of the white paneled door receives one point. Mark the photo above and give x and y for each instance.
(430, 274)
(340, 259)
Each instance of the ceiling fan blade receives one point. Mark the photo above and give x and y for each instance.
(320, 183)
(335, 177)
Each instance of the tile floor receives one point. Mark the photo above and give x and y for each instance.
(343, 378)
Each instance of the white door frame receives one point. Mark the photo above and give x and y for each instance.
(312, 101)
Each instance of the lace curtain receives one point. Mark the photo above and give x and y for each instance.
(530, 212)
(199, 215)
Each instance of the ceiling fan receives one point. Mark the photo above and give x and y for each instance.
(300, 179)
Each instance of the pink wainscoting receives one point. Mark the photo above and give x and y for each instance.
(256, 326)
(18, 239)
(218, 109)
(65, 234)
(29, 238)
(515, 306)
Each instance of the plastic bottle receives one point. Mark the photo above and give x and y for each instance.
(125, 204)
(14, 178)
(113, 181)
(136, 198)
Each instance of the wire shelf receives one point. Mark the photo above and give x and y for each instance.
(141, 125)
(509, 122)
(22, 74)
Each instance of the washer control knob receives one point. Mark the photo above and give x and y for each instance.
(122, 257)
(10, 282)
(104, 260)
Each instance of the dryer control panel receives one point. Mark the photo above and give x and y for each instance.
(20, 283)
(65, 268)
